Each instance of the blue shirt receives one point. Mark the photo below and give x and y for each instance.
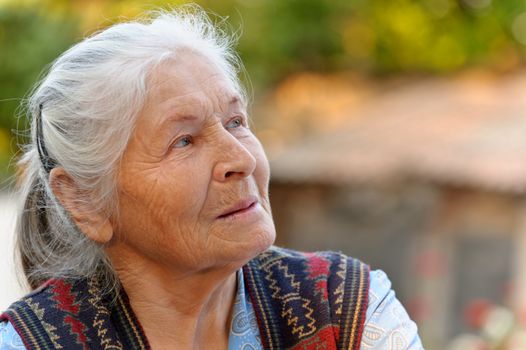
(387, 325)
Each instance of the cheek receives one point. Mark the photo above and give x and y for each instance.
(262, 171)
(182, 191)
(163, 198)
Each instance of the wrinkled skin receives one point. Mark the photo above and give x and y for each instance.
(192, 156)
(191, 159)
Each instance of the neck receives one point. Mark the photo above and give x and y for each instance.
(186, 309)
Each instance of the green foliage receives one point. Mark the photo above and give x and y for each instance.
(381, 36)
(376, 37)
(28, 42)
(282, 37)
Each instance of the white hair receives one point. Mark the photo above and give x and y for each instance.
(83, 113)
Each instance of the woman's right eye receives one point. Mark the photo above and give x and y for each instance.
(183, 141)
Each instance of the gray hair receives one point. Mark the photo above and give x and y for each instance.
(84, 111)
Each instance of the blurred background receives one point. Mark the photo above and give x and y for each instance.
(396, 131)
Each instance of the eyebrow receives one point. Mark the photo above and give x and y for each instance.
(173, 120)
(176, 115)
(235, 100)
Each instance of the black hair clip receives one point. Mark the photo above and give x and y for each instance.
(46, 160)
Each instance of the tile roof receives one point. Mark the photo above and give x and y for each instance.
(467, 132)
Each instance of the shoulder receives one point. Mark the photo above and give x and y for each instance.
(332, 285)
(9, 338)
(294, 257)
(334, 267)
(387, 323)
(329, 270)
(29, 301)
(15, 317)
(37, 317)
(322, 265)
(23, 302)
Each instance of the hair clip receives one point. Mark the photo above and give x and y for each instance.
(47, 162)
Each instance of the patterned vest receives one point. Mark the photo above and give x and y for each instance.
(301, 301)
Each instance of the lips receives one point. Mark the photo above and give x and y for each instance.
(240, 207)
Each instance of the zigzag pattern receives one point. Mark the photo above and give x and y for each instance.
(100, 321)
(64, 297)
(340, 290)
(50, 329)
(64, 314)
(283, 291)
(303, 299)
(66, 301)
(288, 298)
(289, 277)
(308, 315)
(317, 269)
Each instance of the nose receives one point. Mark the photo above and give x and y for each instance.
(234, 160)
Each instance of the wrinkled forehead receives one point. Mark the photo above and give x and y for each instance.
(191, 74)
(188, 86)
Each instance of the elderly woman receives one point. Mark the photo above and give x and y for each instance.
(146, 220)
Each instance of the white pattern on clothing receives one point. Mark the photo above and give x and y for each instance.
(244, 332)
(9, 339)
(387, 325)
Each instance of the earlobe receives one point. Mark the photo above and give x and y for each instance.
(78, 204)
(96, 231)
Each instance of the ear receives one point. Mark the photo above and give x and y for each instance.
(78, 204)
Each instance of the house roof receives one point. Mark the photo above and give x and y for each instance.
(468, 132)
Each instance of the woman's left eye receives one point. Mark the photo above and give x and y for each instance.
(183, 141)
(235, 123)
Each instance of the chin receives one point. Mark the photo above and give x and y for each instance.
(266, 242)
(262, 242)
(259, 242)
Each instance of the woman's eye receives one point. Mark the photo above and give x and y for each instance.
(183, 141)
(235, 123)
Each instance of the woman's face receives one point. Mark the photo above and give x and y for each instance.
(193, 183)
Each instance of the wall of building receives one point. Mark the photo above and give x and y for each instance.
(445, 249)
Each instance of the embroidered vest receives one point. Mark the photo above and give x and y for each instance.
(301, 301)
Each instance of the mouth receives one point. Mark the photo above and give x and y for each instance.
(240, 207)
